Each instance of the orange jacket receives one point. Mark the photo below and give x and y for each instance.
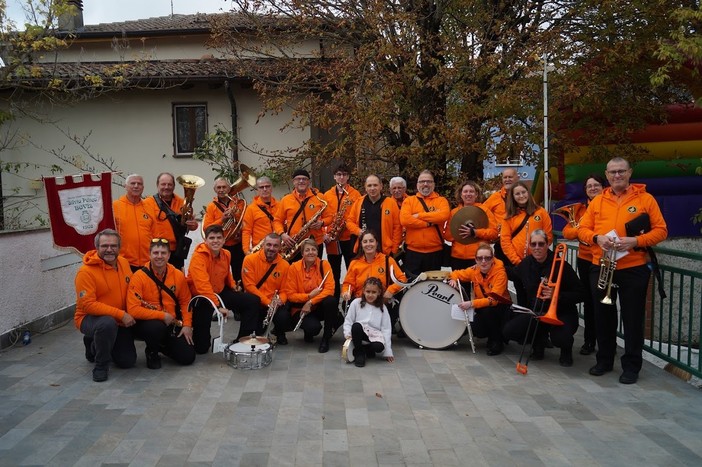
(421, 235)
(288, 207)
(101, 289)
(390, 227)
(207, 274)
(609, 211)
(135, 226)
(162, 227)
(213, 215)
(147, 290)
(494, 282)
(496, 204)
(299, 282)
(360, 270)
(333, 208)
(256, 223)
(488, 234)
(516, 248)
(571, 233)
(255, 267)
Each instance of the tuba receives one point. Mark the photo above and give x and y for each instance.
(568, 212)
(232, 226)
(288, 253)
(190, 183)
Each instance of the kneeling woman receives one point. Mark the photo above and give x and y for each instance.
(529, 274)
(309, 287)
(488, 278)
(368, 324)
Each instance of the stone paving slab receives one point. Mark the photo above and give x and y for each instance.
(430, 407)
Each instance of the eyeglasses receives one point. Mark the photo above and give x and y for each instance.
(425, 182)
(341, 174)
(480, 259)
(265, 187)
(539, 244)
(162, 241)
(617, 172)
(109, 247)
(300, 179)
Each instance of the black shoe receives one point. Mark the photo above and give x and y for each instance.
(537, 353)
(370, 353)
(359, 357)
(549, 344)
(282, 340)
(309, 338)
(587, 348)
(89, 351)
(495, 349)
(401, 333)
(599, 370)
(628, 377)
(324, 346)
(153, 361)
(100, 373)
(566, 358)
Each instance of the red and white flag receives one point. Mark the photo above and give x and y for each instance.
(79, 207)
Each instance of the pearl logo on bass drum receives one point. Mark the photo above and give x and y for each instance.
(432, 290)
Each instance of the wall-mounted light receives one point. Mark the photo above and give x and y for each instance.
(35, 185)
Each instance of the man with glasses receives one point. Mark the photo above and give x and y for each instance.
(258, 218)
(488, 279)
(133, 222)
(165, 207)
(623, 220)
(158, 298)
(222, 210)
(101, 306)
(296, 210)
(529, 275)
(339, 199)
(423, 216)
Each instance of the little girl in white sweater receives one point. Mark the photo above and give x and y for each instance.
(368, 324)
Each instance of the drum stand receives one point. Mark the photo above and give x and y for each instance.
(470, 331)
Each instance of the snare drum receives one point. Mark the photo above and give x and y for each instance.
(425, 315)
(248, 357)
(347, 351)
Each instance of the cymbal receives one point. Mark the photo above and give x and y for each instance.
(464, 216)
(254, 340)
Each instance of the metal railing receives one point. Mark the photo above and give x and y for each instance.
(672, 327)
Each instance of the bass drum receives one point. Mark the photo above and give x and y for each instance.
(425, 315)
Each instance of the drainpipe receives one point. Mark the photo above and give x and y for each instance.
(235, 119)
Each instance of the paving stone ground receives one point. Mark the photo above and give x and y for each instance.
(440, 408)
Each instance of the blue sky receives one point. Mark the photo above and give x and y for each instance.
(106, 11)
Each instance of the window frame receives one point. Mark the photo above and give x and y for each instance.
(175, 106)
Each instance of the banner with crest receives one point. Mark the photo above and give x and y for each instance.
(79, 207)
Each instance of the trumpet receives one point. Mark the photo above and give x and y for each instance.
(608, 263)
(272, 307)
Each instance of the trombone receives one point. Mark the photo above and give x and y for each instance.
(550, 317)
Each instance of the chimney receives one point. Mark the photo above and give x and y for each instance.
(72, 20)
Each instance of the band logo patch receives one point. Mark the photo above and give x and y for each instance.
(172, 288)
(537, 218)
(631, 209)
(146, 216)
(82, 294)
(276, 274)
(381, 270)
(311, 206)
(387, 212)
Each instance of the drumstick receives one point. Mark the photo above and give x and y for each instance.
(465, 313)
(324, 279)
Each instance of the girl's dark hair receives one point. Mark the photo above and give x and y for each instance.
(511, 206)
(360, 252)
(379, 300)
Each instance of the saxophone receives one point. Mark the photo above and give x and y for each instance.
(304, 232)
(338, 223)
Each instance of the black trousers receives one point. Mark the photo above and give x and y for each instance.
(584, 266)
(488, 322)
(252, 314)
(458, 263)
(416, 263)
(360, 338)
(632, 286)
(237, 259)
(109, 341)
(160, 338)
(326, 311)
(562, 336)
(202, 318)
(177, 263)
(346, 247)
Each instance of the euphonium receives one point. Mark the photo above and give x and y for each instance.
(569, 213)
(232, 226)
(190, 184)
(299, 237)
(608, 263)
